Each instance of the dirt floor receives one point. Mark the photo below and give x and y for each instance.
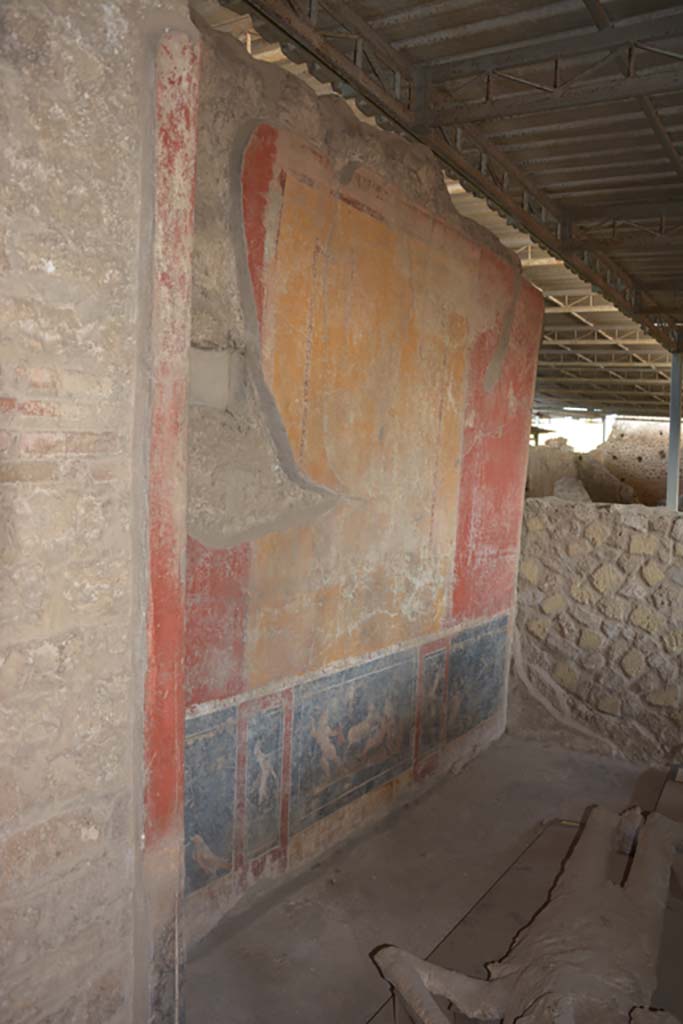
(456, 870)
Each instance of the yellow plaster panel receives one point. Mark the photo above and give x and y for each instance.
(364, 341)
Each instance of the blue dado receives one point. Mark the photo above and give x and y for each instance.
(352, 731)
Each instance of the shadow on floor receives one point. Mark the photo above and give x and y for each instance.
(301, 955)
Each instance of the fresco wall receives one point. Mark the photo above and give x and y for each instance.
(334, 657)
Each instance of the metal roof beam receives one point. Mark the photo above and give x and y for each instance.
(345, 15)
(572, 43)
(602, 20)
(420, 11)
(604, 307)
(603, 90)
(633, 334)
(474, 158)
(627, 211)
(647, 382)
(521, 20)
(639, 241)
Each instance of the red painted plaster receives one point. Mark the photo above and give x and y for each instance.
(259, 160)
(495, 447)
(215, 616)
(175, 155)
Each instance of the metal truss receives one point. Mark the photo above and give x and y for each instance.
(344, 49)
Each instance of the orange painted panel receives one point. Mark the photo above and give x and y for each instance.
(377, 321)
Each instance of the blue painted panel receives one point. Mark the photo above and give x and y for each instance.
(476, 675)
(432, 708)
(210, 742)
(352, 731)
(264, 780)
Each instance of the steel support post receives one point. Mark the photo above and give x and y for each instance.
(674, 464)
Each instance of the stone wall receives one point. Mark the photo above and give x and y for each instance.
(636, 453)
(548, 464)
(630, 466)
(598, 652)
(78, 187)
(363, 366)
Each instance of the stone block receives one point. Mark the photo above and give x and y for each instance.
(633, 663)
(667, 697)
(677, 529)
(585, 614)
(567, 675)
(531, 570)
(590, 640)
(582, 592)
(577, 548)
(553, 604)
(539, 627)
(607, 578)
(535, 524)
(673, 641)
(633, 517)
(652, 573)
(597, 533)
(646, 618)
(675, 575)
(609, 704)
(644, 544)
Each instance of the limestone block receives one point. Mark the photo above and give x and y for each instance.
(607, 578)
(531, 570)
(539, 628)
(553, 604)
(644, 544)
(609, 704)
(673, 641)
(568, 488)
(677, 529)
(584, 593)
(577, 548)
(584, 513)
(668, 697)
(586, 615)
(611, 628)
(634, 518)
(589, 640)
(567, 675)
(535, 524)
(676, 575)
(652, 574)
(633, 663)
(645, 618)
(597, 533)
(615, 607)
